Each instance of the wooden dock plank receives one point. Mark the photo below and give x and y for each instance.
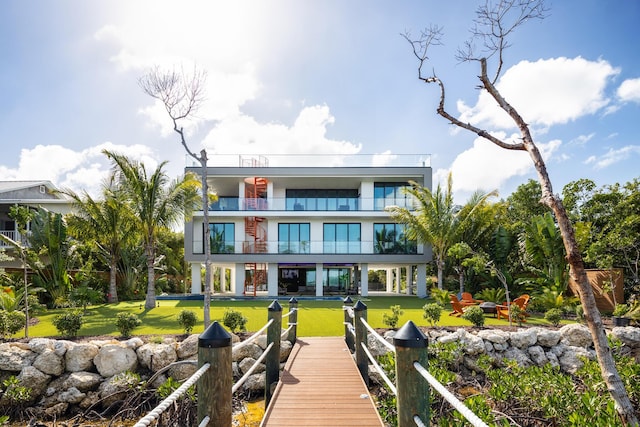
(321, 386)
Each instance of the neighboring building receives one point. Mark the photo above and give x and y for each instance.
(307, 230)
(33, 194)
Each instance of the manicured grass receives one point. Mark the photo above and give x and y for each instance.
(315, 318)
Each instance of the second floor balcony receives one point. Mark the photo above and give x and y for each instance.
(309, 204)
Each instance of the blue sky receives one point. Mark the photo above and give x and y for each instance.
(301, 76)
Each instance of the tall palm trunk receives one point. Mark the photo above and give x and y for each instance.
(150, 301)
(113, 290)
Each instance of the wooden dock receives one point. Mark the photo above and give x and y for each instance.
(321, 386)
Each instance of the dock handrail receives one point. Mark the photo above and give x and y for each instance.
(410, 349)
(214, 377)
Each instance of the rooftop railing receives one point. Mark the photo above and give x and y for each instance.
(315, 160)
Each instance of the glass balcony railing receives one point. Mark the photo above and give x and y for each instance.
(312, 247)
(313, 204)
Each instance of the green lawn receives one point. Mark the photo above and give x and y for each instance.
(315, 318)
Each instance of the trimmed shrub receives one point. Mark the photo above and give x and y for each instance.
(553, 316)
(187, 319)
(234, 320)
(127, 322)
(475, 315)
(69, 323)
(432, 313)
(11, 322)
(391, 320)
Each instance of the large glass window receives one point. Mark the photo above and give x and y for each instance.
(222, 237)
(336, 280)
(322, 200)
(391, 238)
(341, 238)
(391, 194)
(293, 238)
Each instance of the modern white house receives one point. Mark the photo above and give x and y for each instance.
(315, 228)
(33, 194)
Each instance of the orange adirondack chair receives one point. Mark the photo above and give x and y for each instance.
(457, 306)
(503, 310)
(468, 298)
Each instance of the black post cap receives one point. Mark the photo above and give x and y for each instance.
(214, 337)
(409, 336)
(275, 306)
(360, 306)
(347, 300)
(293, 300)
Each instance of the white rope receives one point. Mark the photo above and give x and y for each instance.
(349, 310)
(241, 381)
(351, 329)
(378, 336)
(290, 312)
(418, 421)
(252, 337)
(155, 413)
(449, 397)
(378, 368)
(204, 422)
(286, 331)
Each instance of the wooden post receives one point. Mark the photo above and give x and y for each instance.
(413, 389)
(214, 386)
(348, 336)
(293, 320)
(360, 312)
(272, 361)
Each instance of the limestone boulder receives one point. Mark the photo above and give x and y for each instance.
(255, 383)
(576, 335)
(79, 357)
(40, 345)
(245, 364)
(15, 357)
(183, 370)
(83, 381)
(628, 335)
(524, 338)
(114, 359)
(116, 388)
(573, 359)
(72, 395)
(547, 337)
(247, 350)
(156, 356)
(494, 336)
(537, 355)
(49, 362)
(34, 379)
(285, 350)
(517, 355)
(188, 347)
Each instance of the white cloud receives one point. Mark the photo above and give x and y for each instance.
(629, 90)
(487, 167)
(612, 156)
(76, 170)
(244, 135)
(545, 93)
(582, 140)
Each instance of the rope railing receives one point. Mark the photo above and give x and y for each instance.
(449, 397)
(215, 377)
(289, 313)
(253, 367)
(158, 410)
(410, 349)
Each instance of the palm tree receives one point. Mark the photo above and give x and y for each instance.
(156, 203)
(108, 222)
(437, 220)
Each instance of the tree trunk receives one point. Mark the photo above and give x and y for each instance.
(150, 301)
(461, 280)
(207, 240)
(440, 264)
(113, 290)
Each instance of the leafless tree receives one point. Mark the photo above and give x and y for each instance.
(182, 94)
(495, 22)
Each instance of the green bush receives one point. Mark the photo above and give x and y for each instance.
(440, 296)
(475, 315)
(69, 323)
(11, 322)
(496, 295)
(127, 322)
(187, 319)
(391, 320)
(553, 316)
(234, 320)
(517, 314)
(432, 313)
